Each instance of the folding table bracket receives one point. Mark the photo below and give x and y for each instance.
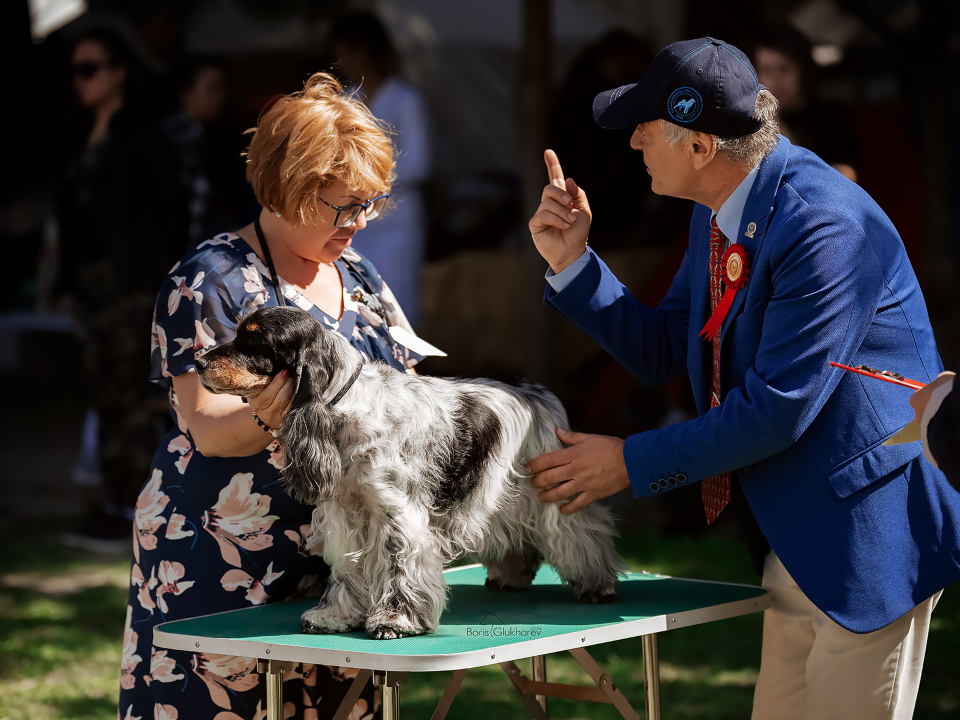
(604, 692)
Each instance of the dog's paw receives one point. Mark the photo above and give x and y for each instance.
(392, 625)
(319, 621)
(499, 585)
(598, 596)
(386, 632)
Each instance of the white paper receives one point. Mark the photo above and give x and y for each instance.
(414, 343)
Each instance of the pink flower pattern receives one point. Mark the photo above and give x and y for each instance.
(256, 589)
(170, 584)
(276, 455)
(240, 519)
(175, 527)
(182, 290)
(225, 671)
(129, 658)
(144, 594)
(181, 444)
(148, 515)
(308, 542)
(165, 712)
(162, 668)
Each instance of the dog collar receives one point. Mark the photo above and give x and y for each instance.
(343, 391)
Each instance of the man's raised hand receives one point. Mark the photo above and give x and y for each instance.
(561, 225)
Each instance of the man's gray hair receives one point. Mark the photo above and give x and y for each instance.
(746, 150)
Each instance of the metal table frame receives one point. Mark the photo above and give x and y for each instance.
(391, 671)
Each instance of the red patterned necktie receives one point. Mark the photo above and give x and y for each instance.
(715, 490)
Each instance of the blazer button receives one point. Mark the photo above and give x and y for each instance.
(672, 481)
(655, 487)
(681, 478)
(663, 483)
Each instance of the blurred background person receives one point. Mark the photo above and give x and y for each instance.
(367, 61)
(109, 267)
(204, 163)
(784, 60)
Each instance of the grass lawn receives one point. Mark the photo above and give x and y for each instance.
(61, 620)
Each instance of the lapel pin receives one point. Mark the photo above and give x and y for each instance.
(751, 229)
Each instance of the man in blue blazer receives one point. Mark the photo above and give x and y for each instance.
(789, 266)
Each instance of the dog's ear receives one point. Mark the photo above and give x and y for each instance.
(313, 368)
(310, 431)
(309, 436)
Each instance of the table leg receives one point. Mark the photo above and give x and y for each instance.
(538, 672)
(651, 677)
(449, 693)
(390, 682)
(274, 672)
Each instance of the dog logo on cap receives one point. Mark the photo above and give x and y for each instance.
(684, 105)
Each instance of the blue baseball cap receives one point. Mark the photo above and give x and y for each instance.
(705, 85)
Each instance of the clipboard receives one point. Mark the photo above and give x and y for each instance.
(887, 375)
(909, 432)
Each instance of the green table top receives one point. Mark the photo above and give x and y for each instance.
(479, 627)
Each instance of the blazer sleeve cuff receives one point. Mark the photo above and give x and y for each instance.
(644, 481)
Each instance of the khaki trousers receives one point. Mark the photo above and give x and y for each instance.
(813, 669)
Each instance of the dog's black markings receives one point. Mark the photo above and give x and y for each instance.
(477, 435)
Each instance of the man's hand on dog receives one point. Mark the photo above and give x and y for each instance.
(592, 466)
(272, 403)
(562, 222)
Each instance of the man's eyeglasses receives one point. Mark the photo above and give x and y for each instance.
(89, 68)
(347, 214)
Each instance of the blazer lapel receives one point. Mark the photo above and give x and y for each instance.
(756, 217)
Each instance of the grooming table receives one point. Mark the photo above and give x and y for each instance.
(479, 628)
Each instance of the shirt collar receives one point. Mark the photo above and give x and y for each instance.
(731, 212)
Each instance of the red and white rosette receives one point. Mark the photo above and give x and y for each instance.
(734, 270)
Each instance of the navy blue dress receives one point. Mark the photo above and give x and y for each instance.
(217, 534)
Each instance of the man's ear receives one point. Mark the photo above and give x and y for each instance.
(703, 149)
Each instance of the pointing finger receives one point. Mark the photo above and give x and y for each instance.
(554, 171)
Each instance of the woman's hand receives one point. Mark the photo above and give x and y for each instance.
(273, 402)
(221, 425)
(561, 224)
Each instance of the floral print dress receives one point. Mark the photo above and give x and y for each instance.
(216, 534)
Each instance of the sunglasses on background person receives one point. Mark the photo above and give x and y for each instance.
(86, 70)
(347, 214)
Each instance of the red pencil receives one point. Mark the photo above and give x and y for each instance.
(882, 375)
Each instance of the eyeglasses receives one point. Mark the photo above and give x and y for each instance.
(347, 214)
(89, 68)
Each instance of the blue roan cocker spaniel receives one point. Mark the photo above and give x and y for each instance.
(408, 473)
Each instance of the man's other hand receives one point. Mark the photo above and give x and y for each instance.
(591, 468)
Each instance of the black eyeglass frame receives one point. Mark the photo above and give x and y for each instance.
(361, 206)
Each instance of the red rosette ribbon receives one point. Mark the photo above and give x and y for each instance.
(734, 269)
